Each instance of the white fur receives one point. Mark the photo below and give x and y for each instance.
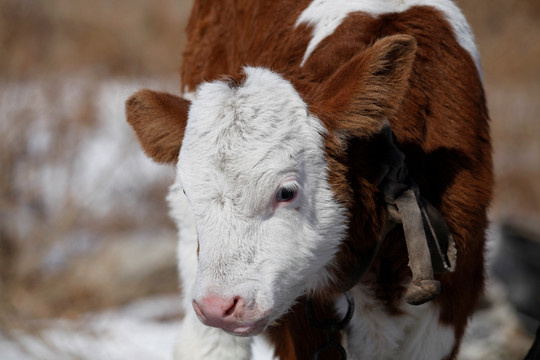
(326, 15)
(196, 341)
(240, 144)
(262, 349)
(374, 334)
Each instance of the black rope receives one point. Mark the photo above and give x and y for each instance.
(331, 326)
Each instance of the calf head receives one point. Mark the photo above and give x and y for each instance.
(251, 161)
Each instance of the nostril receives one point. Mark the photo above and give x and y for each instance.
(231, 309)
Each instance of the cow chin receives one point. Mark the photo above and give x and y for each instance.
(251, 329)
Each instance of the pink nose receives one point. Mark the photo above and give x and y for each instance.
(218, 312)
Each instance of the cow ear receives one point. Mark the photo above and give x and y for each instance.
(159, 119)
(369, 88)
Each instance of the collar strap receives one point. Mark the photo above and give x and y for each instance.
(430, 244)
(332, 327)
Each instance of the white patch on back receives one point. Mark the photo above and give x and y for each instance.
(374, 334)
(326, 15)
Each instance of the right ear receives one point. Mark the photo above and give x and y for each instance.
(159, 119)
(367, 90)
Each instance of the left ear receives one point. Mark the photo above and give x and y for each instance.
(159, 120)
(368, 89)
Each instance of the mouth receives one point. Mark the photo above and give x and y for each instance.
(250, 329)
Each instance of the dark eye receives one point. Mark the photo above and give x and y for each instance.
(286, 193)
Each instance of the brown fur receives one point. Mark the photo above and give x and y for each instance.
(166, 112)
(421, 80)
(294, 328)
(367, 89)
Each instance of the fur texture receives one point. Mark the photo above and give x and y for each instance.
(292, 95)
(415, 334)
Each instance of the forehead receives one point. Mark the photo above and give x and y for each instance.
(258, 126)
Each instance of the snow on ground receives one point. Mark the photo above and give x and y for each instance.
(73, 162)
(495, 332)
(145, 329)
(102, 152)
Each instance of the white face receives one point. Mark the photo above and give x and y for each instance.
(253, 168)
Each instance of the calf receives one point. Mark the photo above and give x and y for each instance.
(302, 126)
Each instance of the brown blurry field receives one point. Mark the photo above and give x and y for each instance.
(98, 38)
(73, 47)
(60, 53)
(508, 36)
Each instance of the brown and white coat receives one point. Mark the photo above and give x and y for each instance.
(277, 157)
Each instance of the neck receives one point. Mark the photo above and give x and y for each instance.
(296, 338)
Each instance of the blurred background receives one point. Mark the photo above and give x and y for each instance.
(87, 250)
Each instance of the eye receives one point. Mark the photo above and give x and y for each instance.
(287, 193)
